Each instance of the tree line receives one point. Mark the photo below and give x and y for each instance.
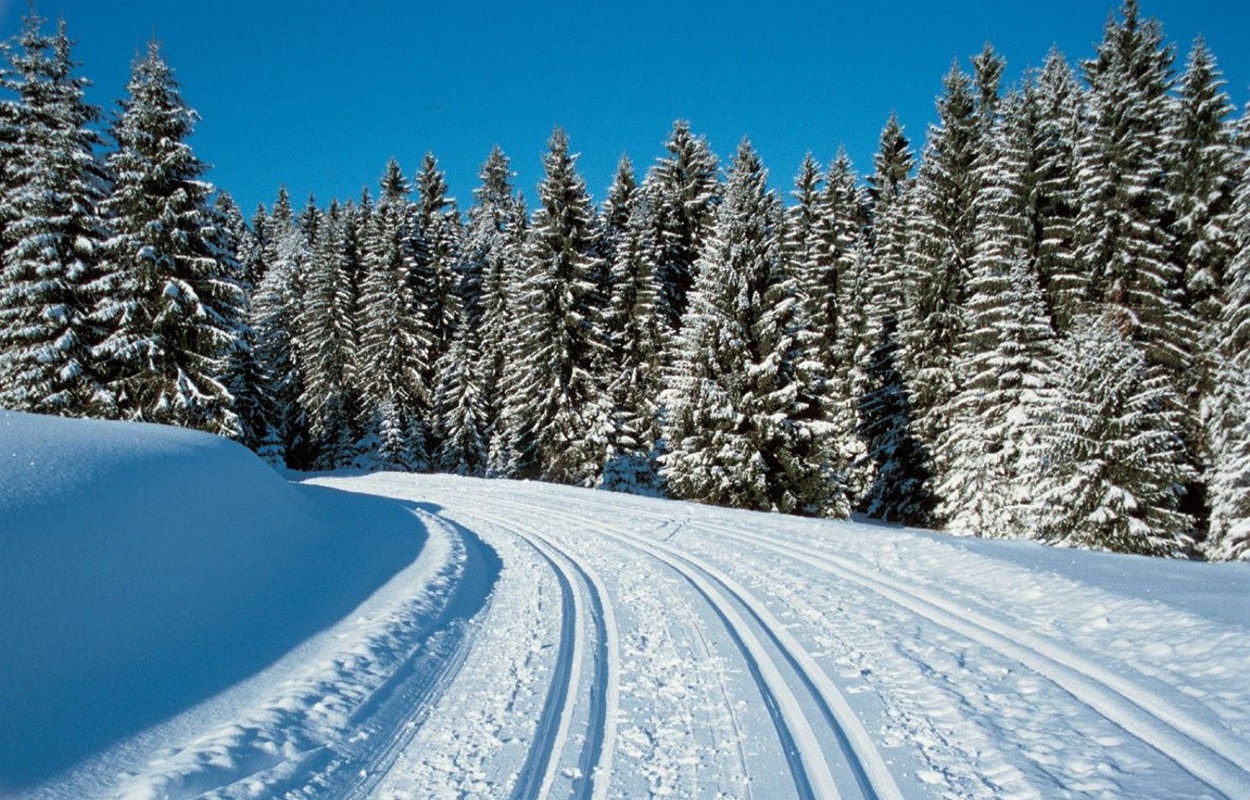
(1035, 326)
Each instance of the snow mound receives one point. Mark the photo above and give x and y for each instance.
(144, 569)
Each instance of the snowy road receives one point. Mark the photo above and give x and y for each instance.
(635, 649)
(549, 642)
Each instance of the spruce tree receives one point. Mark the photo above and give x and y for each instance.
(51, 188)
(744, 424)
(556, 408)
(437, 250)
(1005, 352)
(170, 299)
(939, 253)
(283, 255)
(460, 415)
(1123, 244)
(395, 339)
(892, 475)
(636, 335)
(1228, 408)
(1110, 462)
(326, 345)
(490, 278)
(686, 191)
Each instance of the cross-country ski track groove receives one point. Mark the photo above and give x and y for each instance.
(579, 587)
(1201, 749)
(808, 759)
(1195, 746)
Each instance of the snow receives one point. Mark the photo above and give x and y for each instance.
(180, 620)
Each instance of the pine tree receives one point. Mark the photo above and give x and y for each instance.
(490, 278)
(437, 250)
(170, 299)
(52, 230)
(745, 418)
(939, 253)
(326, 345)
(1202, 182)
(395, 339)
(460, 415)
(1228, 408)
(556, 408)
(1005, 353)
(1111, 464)
(636, 335)
(1122, 236)
(283, 253)
(686, 191)
(892, 476)
(1051, 119)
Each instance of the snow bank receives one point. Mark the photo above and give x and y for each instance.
(143, 569)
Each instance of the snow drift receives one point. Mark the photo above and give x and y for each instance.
(143, 569)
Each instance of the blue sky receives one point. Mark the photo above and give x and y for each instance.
(318, 94)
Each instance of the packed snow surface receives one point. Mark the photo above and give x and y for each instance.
(178, 620)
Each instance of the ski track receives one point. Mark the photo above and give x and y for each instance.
(803, 748)
(580, 588)
(1198, 747)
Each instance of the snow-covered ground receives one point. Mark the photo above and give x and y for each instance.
(177, 620)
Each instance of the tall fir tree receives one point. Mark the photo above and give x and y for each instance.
(1110, 462)
(170, 300)
(556, 409)
(51, 229)
(1202, 179)
(686, 189)
(636, 336)
(892, 476)
(275, 310)
(394, 338)
(1122, 230)
(490, 277)
(326, 344)
(939, 253)
(437, 249)
(1228, 408)
(1005, 353)
(745, 424)
(460, 415)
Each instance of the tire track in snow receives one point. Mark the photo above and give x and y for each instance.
(594, 764)
(811, 772)
(1197, 747)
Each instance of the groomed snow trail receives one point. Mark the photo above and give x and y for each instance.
(831, 666)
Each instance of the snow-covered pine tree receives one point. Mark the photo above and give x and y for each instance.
(275, 309)
(940, 248)
(1122, 234)
(1228, 408)
(51, 188)
(892, 476)
(745, 422)
(437, 247)
(686, 189)
(556, 410)
(821, 238)
(326, 344)
(636, 335)
(1202, 178)
(169, 296)
(248, 384)
(1005, 354)
(395, 340)
(460, 416)
(490, 277)
(1052, 114)
(1110, 462)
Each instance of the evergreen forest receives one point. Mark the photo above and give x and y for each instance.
(1031, 322)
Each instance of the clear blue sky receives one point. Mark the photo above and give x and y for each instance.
(318, 94)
